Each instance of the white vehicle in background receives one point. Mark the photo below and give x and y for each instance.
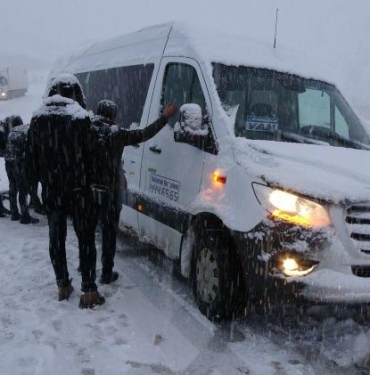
(13, 82)
(266, 197)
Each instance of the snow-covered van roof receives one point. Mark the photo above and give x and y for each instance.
(139, 47)
(204, 45)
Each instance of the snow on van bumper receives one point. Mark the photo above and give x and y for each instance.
(330, 286)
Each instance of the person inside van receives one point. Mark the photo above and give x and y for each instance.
(286, 116)
(108, 143)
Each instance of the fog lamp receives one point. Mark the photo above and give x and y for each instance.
(290, 264)
(294, 267)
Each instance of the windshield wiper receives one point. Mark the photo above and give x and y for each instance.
(294, 137)
(334, 139)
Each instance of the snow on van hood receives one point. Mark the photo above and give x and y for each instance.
(334, 174)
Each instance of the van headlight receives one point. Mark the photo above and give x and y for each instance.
(292, 208)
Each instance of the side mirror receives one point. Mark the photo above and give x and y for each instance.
(192, 130)
(191, 117)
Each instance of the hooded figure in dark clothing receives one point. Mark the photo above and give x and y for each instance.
(59, 157)
(15, 169)
(108, 144)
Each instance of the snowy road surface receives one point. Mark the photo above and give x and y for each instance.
(149, 324)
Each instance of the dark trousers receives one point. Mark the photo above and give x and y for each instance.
(2, 208)
(17, 187)
(84, 221)
(34, 199)
(109, 205)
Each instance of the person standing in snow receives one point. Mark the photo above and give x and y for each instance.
(108, 144)
(4, 212)
(15, 169)
(58, 155)
(3, 137)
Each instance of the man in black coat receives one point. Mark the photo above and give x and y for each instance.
(59, 157)
(108, 144)
(15, 169)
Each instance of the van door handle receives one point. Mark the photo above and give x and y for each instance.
(155, 149)
(135, 145)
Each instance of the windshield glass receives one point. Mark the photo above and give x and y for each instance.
(278, 106)
(3, 81)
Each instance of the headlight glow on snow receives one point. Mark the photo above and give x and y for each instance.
(291, 207)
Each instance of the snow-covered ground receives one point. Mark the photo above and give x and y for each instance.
(149, 324)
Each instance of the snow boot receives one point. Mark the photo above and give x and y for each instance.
(38, 208)
(15, 216)
(65, 292)
(91, 299)
(109, 278)
(28, 219)
(4, 211)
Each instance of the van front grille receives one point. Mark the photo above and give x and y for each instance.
(358, 225)
(361, 271)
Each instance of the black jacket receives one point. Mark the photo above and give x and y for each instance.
(58, 150)
(108, 143)
(16, 144)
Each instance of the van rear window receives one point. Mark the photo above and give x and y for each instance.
(126, 86)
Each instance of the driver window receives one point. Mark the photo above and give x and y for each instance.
(181, 85)
(341, 126)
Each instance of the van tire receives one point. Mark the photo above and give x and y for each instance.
(215, 274)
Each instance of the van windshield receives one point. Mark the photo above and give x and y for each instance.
(270, 105)
(3, 81)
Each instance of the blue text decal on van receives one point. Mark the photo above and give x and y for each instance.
(261, 123)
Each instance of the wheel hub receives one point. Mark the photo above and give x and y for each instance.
(207, 275)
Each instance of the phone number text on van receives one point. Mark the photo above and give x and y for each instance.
(164, 187)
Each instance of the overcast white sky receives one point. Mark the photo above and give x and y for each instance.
(46, 28)
(332, 30)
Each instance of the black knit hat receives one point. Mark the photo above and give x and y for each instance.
(107, 109)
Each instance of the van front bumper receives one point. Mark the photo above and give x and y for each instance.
(330, 286)
(338, 277)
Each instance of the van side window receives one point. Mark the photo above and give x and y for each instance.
(126, 86)
(181, 85)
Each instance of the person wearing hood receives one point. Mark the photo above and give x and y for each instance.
(15, 169)
(58, 155)
(108, 142)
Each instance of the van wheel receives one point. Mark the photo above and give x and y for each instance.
(215, 275)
